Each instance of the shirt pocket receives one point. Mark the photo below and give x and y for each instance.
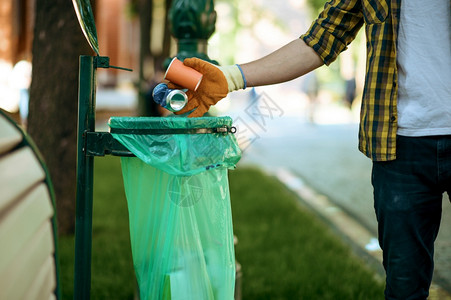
(375, 11)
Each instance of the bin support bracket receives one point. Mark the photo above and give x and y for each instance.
(103, 143)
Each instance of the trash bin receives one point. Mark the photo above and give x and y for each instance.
(179, 204)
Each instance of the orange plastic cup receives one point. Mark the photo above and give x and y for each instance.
(182, 75)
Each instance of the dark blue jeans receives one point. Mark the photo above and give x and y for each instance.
(408, 202)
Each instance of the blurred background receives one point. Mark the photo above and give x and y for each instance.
(137, 34)
(41, 41)
(280, 128)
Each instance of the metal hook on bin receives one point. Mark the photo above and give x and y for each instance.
(104, 62)
(226, 129)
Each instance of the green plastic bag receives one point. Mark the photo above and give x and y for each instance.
(179, 205)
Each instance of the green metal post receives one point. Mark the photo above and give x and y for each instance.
(85, 164)
(192, 24)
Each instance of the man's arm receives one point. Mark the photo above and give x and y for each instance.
(289, 62)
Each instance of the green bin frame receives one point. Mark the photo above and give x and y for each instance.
(89, 144)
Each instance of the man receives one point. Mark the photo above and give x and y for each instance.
(405, 125)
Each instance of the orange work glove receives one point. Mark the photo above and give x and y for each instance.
(216, 83)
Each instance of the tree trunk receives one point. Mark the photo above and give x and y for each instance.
(167, 31)
(52, 122)
(162, 59)
(145, 107)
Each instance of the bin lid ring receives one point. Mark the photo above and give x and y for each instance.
(165, 131)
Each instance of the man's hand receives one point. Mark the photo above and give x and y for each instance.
(212, 88)
(216, 83)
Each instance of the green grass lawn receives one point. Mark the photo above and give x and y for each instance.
(285, 252)
(112, 266)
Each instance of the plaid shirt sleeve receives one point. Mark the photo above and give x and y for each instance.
(329, 35)
(334, 29)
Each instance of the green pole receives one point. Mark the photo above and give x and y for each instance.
(192, 23)
(85, 164)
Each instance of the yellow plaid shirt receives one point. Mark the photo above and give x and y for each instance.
(336, 27)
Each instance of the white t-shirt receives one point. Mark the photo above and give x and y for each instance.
(424, 68)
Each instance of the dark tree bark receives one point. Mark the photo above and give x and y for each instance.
(167, 31)
(58, 42)
(145, 107)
